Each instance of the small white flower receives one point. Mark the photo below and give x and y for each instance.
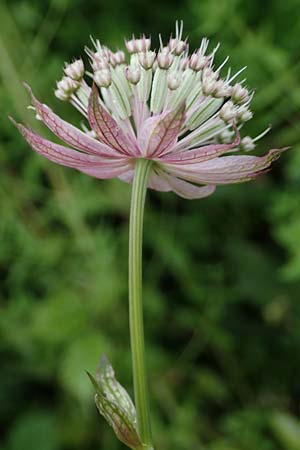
(244, 114)
(61, 95)
(209, 73)
(133, 74)
(239, 94)
(198, 61)
(208, 86)
(117, 58)
(228, 112)
(75, 70)
(177, 47)
(164, 59)
(66, 87)
(146, 59)
(138, 45)
(247, 144)
(103, 78)
(221, 89)
(174, 80)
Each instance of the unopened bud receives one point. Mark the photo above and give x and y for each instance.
(208, 86)
(247, 144)
(75, 70)
(177, 47)
(209, 73)
(104, 52)
(164, 59)
(244, 114)
(221, 89)
(228, 112)
(103, 78)
(66, 86)
(146, 59)
(198, 61)
(99, 63)
(117, 58)
(174, 80)
(115, 405)
(239, 94)
(61, 95)
(133, 74)
(138, 45)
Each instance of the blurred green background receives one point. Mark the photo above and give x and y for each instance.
(221, 275)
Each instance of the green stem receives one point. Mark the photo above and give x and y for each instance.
(139, 189)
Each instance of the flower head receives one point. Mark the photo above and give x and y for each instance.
(167, 106)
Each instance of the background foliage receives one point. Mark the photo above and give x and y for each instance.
(222, 275)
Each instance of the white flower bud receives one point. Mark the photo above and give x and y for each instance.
(117, 58)
(208, 86)
(247, 144)
(221, 89)
(198, 61)
(75, 70)
(208, 72)
(174, 80)
(103, 78)
(104, 52)
(67, 86)
(244, 114)
(99, 63)
(164, 59)
(133, 74)
(138, 45)
(239, 94)
(146, 59)
(228, 112)
(177, 47)
(61, 95)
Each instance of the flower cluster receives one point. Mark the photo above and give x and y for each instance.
(167, 106)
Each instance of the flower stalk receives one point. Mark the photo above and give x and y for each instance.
(139, 189)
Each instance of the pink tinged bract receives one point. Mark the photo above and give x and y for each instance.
(185, 189)
(89, 164)
(68, 133)
(107, 129)
(224, 170)
(200, 154)
(159, 133)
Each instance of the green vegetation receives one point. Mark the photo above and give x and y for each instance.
(221, 275)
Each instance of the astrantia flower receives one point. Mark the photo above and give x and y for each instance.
(165, 106)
